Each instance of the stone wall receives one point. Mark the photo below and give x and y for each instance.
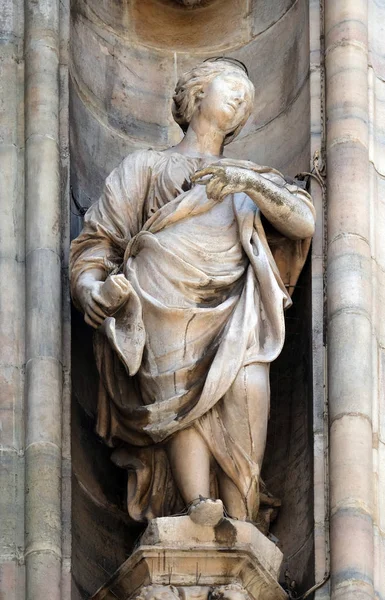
(121, 84)
(125, 59)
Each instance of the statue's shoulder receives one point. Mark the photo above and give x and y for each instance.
(141, 158)
(132, 173)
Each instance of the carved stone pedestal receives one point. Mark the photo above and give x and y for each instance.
(179, 560)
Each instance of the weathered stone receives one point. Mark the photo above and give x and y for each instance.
(11, 505)
(204, 28)
(258, 146)
(174, 551)
(43, 572)
(43, 189)
(43, 305)
(107, 123)
(127, 318)
(44, 380)
(43, 518)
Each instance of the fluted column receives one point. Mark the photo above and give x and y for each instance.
(43, 306)
(349, 300)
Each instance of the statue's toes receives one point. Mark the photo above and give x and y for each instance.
(206, 512)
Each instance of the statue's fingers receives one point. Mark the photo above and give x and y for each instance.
(201, 180)
(124, 285)
(211, 186)
(201, 173)
(211, 170)
(216, 168)
(219, 188)
(112, 302)
(226, 190)
(103, 303)
(120, 285)
(97, 309)
(120, 279)
(88, 319)
(94, 316)
(115, 289)
(214, 188)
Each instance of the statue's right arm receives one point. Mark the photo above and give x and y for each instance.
(109, 224)
(98, 303)
(94, 254)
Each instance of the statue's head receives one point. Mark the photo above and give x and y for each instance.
(220, 91)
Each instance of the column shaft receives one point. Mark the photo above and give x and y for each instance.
(12, 300)
(43, 306)
(349, 300)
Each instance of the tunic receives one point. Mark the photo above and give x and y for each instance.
(208, 299)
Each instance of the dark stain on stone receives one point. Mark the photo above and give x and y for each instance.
(225, 533)
(186, 185)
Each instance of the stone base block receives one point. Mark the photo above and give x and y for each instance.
(177, 559)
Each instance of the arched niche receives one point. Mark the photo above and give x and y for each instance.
(126, 56)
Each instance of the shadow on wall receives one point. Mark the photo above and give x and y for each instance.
(126, 57)
(288, 465)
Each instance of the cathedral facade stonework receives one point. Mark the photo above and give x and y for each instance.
(210, 440)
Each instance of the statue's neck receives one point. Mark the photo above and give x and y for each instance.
(202, 139)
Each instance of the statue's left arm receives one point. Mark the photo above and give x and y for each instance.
(290, 213)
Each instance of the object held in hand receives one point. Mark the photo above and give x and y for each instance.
(113, 293)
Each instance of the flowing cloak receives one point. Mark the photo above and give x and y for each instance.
(210, 282)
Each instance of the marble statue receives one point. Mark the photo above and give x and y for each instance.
(184, 268)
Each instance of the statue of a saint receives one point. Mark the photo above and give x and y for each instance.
(184, 268)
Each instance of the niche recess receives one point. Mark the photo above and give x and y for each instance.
(126, 56)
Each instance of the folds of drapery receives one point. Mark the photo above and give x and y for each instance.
(145, 194)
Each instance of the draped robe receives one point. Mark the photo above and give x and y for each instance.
(210, 282)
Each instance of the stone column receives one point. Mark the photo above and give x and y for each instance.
(43, 302)
(12, 300)
(349, 300)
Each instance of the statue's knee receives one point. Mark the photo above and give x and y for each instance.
(256, 379)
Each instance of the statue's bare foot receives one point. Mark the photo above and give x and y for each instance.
(205, 511)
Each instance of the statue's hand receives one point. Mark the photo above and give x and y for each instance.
(101, 299)
(220, 181)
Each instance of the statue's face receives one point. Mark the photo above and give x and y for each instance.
(226, 101)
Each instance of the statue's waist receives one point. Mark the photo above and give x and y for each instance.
(211, 251)
(184, 271)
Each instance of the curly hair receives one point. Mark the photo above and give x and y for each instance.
(190, 85)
